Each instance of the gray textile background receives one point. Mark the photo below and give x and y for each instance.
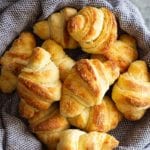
(144, 7)
(15, 15)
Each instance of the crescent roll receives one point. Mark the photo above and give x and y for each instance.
(20, 52)
(103, 117)
(123, 52)
(14, 60)
(131, 93)
(74, 139)
(86, 85)
(58, 56)
(38, 84)
(47, 125)
(55, 28)
(95, 29)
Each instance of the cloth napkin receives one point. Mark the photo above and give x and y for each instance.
(18, 15)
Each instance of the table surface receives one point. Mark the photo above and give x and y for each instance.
(144, 7)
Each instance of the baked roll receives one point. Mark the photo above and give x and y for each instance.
(74, 139)
(131, 93)
(47, 125)
(103, 117)
(95, 29)
(38, 84)
(123, 52)
(14, 60)
(55, 28)
(20, 52)
(86, 85)
(58, 56)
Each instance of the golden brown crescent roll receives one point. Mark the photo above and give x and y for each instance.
(123, 52)
(86, 85)
(14, 60)
(55, 28)
(48, 125)
(95, 29)
(38, 84)
(126, 45)
(131, 93)
(74, 139)
(20, 52)
(41, 29)
(103, 117)
(58, 56)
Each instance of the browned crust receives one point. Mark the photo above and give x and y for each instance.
(86, 72)
(41, 105)
(113, 35)
(54, 122)
(99, 116)
(20, 56)
(35, 88)
(123, 61)
(104, 117)
(69, 106)
(25, 110)
(132, 100)
(137, 102)
(135, 86)
(73, 24)
(94, 14)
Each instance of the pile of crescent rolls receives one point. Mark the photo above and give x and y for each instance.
(65, 101)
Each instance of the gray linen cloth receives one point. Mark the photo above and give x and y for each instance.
(15, 16)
